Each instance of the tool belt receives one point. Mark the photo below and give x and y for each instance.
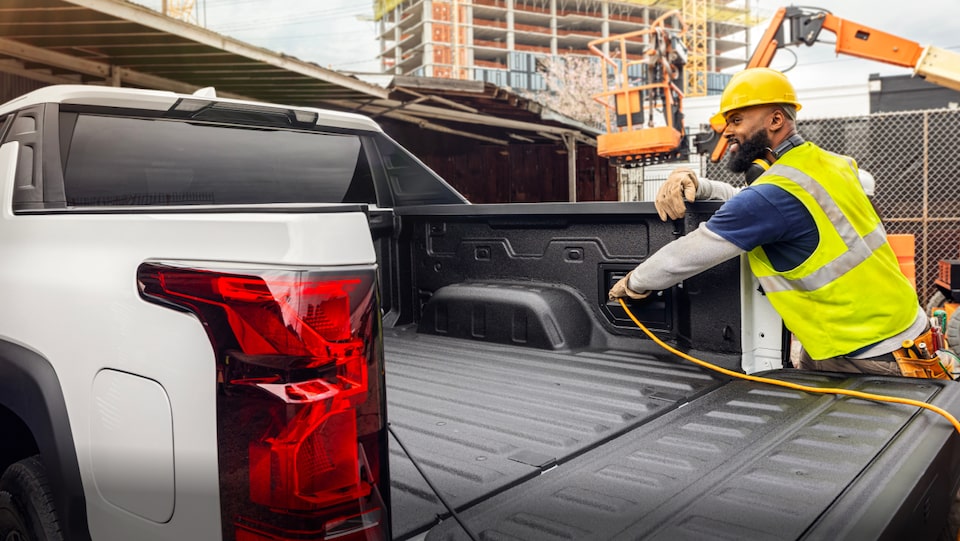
(916, 361)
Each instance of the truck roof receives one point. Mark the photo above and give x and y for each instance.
(161, 100)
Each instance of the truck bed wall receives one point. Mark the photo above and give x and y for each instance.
(538, 276)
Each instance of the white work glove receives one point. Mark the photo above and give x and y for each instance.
(680, 185)
(622, 289)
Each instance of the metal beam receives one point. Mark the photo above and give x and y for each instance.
(152, 19)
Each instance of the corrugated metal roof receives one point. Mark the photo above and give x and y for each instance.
(121, 43)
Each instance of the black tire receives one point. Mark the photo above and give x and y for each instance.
(27, 512)
(936, 301)
(952, 332)
(12, 526)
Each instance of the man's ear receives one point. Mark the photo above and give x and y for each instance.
(776, 119)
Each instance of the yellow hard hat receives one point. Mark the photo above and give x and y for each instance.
(754, 86)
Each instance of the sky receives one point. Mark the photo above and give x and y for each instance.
(341, 34)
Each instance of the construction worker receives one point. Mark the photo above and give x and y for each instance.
(812, 237)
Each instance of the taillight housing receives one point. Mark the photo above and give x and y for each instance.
(301, 419)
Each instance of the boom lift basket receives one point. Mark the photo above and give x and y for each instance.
(633, 136)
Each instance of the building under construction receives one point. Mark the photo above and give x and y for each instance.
(498, 40)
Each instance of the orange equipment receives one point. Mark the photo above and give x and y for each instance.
(632, 139)
(939, 66)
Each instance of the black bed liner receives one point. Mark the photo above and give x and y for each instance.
(536, 444)
(483, 417)
(750, 461)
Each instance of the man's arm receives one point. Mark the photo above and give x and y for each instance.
(715, 190)
(683, 184)
(689, 255)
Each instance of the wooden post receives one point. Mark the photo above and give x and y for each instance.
(571, 143)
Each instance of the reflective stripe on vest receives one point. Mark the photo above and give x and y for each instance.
(858, 248)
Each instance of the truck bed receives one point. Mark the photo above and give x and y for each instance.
(481, 418)
(537, 444)
(540, 410)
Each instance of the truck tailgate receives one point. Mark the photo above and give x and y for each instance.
(481, 418)
(750, 461)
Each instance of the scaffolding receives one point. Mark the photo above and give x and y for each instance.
(718, 10)
(695, 14)
(499, 41)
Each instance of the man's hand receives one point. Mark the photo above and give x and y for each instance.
(680, 185)
(622, 289)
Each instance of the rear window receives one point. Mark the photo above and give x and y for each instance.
(112, 161)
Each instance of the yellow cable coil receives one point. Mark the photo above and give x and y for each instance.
(795, 386)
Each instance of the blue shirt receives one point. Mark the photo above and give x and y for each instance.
(768, 216)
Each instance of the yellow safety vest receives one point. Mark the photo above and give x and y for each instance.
(850, 292)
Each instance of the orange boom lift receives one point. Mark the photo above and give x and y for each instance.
(644, 121)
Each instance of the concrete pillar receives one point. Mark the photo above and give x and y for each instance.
(746, 49)
(712, 47)
(427, 38)
(646, 17)
(397, 34)
(553, 27)
(510, 28)
(605, 26)
(455, 44)
(469, 44)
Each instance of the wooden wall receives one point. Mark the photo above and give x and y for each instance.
(518, 173)
(13, 86)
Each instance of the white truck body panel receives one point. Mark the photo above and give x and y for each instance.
(57, 267)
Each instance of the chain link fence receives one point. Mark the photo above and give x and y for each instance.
(915, 159)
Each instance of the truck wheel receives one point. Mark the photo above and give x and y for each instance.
(26, 504)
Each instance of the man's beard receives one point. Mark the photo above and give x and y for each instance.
(755, 147)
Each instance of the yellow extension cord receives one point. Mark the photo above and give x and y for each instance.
(795, 386)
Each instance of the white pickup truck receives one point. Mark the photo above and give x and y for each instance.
(208, 307)
(190, 336)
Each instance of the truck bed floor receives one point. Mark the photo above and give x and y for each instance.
(480, 418)
(749, 461)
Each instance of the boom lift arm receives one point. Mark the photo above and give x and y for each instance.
(939, 66)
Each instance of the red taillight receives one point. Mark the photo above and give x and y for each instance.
(300, 417)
